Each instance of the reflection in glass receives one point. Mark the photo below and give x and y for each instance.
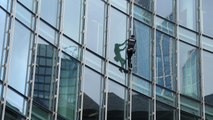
(93, 61)
(188, 36)
(164, 112)
(147, 4)
(190, 106)
(207, 17)
(95, 26)
(209, 112)
(188, 13)
(16, 102)
(165, 8)
(72, 18)
(165, 26)
(189, 70)
(140, 107)
(165, 96)
(116, 73)
(11, 114)
(19, 58)
(117, 37)
(6, 4)
(68, 87)
(142, 59)
(208, 77)
(165, 61)
(92, 95)
(70, 47)
(29, 4)
(44, 76)
(142, 15)
(187, 116)
(207, 43)
(49, 14)
(40, 114)
(115, 108)
(141, 86)
(120, 4)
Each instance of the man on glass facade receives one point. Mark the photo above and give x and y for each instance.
(64, 61)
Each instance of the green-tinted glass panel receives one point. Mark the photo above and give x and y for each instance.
(68, 88)
(10, 114)
(40, 114)
(187, 116)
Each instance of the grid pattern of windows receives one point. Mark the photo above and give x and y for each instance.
(66, 60)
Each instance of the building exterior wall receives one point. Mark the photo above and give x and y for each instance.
(66, 60)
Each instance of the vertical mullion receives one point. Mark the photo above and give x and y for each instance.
(8, 54)
(34, 59)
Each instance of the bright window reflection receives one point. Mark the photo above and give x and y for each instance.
(121, 4)
(95, 26)
(19, 58)
(207, 17)
(165, 8)
(188, 13)
(189, 70)
(165, 61)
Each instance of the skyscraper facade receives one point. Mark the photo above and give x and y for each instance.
(67, 60)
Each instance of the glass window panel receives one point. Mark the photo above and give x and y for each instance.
(70, 47)
(95, 26)
(207, 43)
(165, 96)
(25, 16)
(48, 33)
(16, 102)
(120, 4)
(49, 14)
(187, 116)
(117, 39)
(207, 17)
(19, 58)
(140, 107)
(166, 9)
(116, 73)
(68, 87)
(166, 61)
(190, 106)
(164, 112)
(208, 77)
(189, 70)
(141, 86)
(6, 4)
(142, 59)
(44, 96)
(92, 95)
(116, 103)
(71, 23)
(147, 4)
(12, 115)
(188, 36)
(165, 26)
(209, 112)
(30, 4)
(142, 15)
(93, 61)
(40, 114)
(188, 13)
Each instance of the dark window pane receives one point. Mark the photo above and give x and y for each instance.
(187, 116)
(165, 112)
(40, 114)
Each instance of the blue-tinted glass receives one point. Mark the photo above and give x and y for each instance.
(30, 4)
(141, 86)
(68, 87)
(95, 26)
(44, 75)
(92, 95)
(165, 8)
(142, 15)
(117, 37)
(6, 4)
(188, 13)
(49, 14)
(145, 4)
(207, 17)
(72, 18)
(38, 113)
(208, 77)
(142, 59)
(164, 112)
(120, 4)
(165, 26)
(188, 36)
(16, 102)
(116, 73)
(207, 43)
(189, 70)
(165, 61)
(11, 114)
(19, 58)
(24, 16)
(93, 61)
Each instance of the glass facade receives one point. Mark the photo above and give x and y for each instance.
(66, 60)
